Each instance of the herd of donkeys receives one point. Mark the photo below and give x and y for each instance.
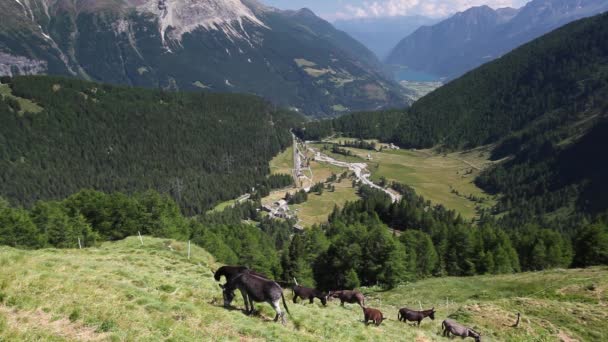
(256, 287)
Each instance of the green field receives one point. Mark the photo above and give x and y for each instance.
(446, 179)
(318, 207)
(26, 105)
(124, 291)
(283, 162)
(220, 207)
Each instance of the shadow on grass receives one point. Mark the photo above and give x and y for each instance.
(255, 313)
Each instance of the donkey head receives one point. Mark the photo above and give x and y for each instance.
(228, 294)
(324, 298)
(432, 314)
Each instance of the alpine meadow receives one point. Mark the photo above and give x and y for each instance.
(224, 170)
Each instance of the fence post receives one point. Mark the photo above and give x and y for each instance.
(79, 244)
(140, 238)
(188, 249)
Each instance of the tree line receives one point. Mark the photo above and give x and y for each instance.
(368, 242)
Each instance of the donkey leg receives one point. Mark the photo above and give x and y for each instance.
(295, 299)
(246, 301)
(276, 305)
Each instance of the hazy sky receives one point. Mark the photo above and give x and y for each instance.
(337, 9)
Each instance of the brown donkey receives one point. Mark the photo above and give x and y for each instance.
(406, 314)
(373, 315)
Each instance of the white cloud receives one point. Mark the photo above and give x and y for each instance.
(430, 8)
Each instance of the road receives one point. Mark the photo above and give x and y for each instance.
(360, 171)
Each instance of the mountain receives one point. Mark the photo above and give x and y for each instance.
(481, 34)
(61, 135)
(292, 58)
(380, 35)
(543, 108)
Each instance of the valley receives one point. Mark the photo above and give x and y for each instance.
(160, 294)
(446, 179)
(172, 139)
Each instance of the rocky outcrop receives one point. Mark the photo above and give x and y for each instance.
(18, 65)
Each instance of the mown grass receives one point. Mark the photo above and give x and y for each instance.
(124, 291)
(283, 162)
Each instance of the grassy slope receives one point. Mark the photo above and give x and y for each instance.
(125, 291)
(283, 162)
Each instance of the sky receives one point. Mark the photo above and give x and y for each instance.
(347, 9)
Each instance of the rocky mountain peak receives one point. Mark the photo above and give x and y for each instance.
(177, 17)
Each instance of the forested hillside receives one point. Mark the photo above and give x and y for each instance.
(198, 147)
(544, 105)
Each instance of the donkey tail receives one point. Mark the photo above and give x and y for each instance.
(284, 303)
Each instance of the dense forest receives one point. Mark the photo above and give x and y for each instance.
(544, 106)
(199, 147)
(355, 248)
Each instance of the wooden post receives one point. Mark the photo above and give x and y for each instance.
(188, 249)
(79, 244)
(140, 238)
(420, 304)
(447, 303)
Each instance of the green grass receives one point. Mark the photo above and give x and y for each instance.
(26, 105)
(124, 291)
(220, 207)
(318, 207)
(355, 158)
(443, 179)
(283, 162)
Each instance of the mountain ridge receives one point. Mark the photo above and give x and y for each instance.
(225, 46)
(448, 49)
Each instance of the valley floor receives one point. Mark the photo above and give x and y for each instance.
(128, 291)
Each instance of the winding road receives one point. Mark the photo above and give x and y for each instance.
(359, 169)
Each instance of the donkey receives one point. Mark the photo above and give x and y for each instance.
(373, 315)
(452, 327)
(231, 272)
(406, 314)
(255, 289)
(307, 293)
(348, 296)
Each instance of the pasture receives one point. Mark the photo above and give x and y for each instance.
(446, 179)
(125, 291)
(283, 162)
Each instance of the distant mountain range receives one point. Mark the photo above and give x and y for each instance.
(481, 34)
(380, 35)
(292, 58)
